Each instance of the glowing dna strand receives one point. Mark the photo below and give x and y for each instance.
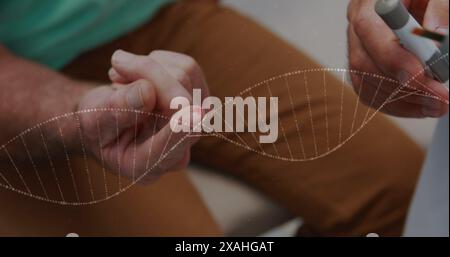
(328, 107)
(67, 176)
(318, 114)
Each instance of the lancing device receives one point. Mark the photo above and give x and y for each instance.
(397, 17)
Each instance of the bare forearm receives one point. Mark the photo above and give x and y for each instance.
(31, 94)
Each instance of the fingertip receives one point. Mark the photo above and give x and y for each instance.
(441, 91)
(433, 88)
(437, 112)
(114, 76)
(121, 58)
(114, 56)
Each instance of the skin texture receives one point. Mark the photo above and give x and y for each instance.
(373, 48)
(141, 83)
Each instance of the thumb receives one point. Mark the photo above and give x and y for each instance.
(133, 67)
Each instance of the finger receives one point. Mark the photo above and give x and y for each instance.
(135, 67)
(361, 62)
(368, 87)
(367, 73)
(382, 46)
(181, 67)
(115, 77)
(189, 67)
(168, 147)
(415, 102)
(139, 95)
(376, 92)
(174, 71)
(122, 108)
(405, 110)
(368, 91)
(180, 75)
(153, 175)
(401, 103)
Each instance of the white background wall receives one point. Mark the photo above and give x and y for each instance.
(319, 28)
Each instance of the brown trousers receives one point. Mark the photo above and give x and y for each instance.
(364, 186)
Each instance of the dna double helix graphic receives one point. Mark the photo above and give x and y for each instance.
(318, 114)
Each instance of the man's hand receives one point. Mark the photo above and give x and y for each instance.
(130, 142)
(373, 48)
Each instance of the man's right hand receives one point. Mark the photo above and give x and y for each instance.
(130, 143)
(373, 48)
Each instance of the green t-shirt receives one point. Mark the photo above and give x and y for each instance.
(53, 32)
